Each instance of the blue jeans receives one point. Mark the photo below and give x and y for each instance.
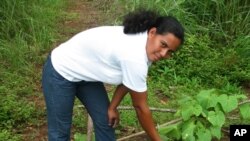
(59, 96)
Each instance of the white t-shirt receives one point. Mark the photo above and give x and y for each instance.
(104, 54)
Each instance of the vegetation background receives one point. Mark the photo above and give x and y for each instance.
(215, 55)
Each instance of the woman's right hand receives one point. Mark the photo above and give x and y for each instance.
(113, 116)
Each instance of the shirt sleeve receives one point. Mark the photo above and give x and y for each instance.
(134, 75)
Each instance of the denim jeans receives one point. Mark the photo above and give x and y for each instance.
(59, 96)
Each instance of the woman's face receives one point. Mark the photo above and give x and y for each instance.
(161, 46)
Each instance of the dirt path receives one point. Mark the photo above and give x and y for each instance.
(83, 14)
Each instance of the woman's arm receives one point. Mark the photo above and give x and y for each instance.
(144, 114)
(119, 93)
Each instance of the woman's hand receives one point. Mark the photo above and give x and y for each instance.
(113, 116)
(144, 115)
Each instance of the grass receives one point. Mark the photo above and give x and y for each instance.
(27, 29)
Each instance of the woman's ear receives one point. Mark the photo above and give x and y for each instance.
(152, 32)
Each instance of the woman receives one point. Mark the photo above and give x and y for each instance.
(118, 55)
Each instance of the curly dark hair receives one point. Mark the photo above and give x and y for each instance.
(139, 21)
(143, 20)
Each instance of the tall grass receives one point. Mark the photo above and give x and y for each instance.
(226, 19)
(27, 29)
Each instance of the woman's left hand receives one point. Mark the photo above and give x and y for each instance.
(113, 116)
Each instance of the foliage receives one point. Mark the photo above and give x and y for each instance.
(26, 32)
(204, 115)
(5, 135)
(13, 113)
(210, 66)
(82, 137)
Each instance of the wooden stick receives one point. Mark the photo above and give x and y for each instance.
(158, 109)
(151, 108)
(143, 132)
(170, 122)
(90, 129)
(243, 102)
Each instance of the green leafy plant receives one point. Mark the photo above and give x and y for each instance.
(82, 137)
(6, 135)
(204, 115)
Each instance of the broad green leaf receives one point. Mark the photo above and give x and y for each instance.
(191, 110)
(188, 130)
(228, 103)
(216, 118)
(176, 134)
(215, 131)
(212, 101)
(202, 98)
(171, 131)
(203, 135)
(165, 138)
(205, 98)
(167, 129)
(204, 113)
(80, 137)
(245, 110)
(186, 113)
(197, 109)
(190, 138)
(199, 124)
